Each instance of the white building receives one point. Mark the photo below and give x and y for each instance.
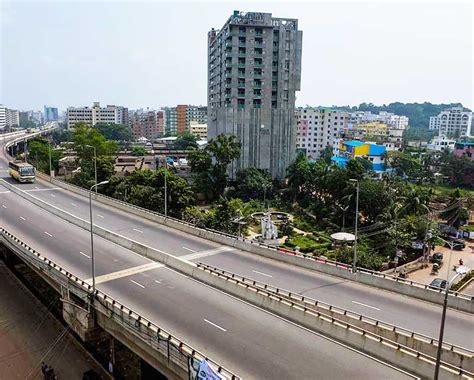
(392, 120)
(441, 143)
(453, 121)
(96, 114)
(318, 128)
(198, 130)
(8, 117)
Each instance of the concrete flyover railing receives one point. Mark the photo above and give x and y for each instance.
(459, 356)
(158, 339)
(373, 344)
(406, 287)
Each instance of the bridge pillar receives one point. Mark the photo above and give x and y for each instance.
(81, 320)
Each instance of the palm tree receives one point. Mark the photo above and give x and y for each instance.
(414, 202)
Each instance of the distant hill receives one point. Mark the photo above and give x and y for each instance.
(419, 113)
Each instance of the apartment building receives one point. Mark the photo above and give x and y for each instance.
(348, 150)
(97, 114)
(9, 118)
(198, 130)
(148, 124)
(50, 114)
(254, 71)
(318, 128)
(392, 120)
(452, 122)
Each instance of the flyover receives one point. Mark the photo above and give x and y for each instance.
(236, 330)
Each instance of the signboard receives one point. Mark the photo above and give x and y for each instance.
(202, 370)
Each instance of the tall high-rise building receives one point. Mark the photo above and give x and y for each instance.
(181, 111)
(50, 114)
(254, 70)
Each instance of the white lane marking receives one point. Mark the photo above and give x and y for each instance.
(363, 304)
(213, 324)
(36, 187)
(100, 216)
(138, 230)
(22, 218)
(73, 204)
(4, 206)
(48, 189)
(263, 274)
(189, 249)
(137, 283)
(158, 282)
(198, 255)
(4, 192)
(47, 233)
(125, 273)
(83, 254)
(54, 196)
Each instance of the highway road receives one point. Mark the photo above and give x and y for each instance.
(248, 340)
(383, 305)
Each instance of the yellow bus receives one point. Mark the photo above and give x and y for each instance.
(22, 171)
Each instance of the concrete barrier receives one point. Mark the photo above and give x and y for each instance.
(366, 277)
(458, 356)
(384, 349)
(125, 324)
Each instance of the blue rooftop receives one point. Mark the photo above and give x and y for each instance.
(355, 143)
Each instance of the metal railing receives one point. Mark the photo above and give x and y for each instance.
(308, 302)
(167, 344)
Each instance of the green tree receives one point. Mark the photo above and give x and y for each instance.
(62, 135)
(209, 165)
(253, 183)
(186, 141)
(115, 132)
(39, 155)
(138, 151)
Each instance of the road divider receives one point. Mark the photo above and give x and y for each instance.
(383, 348)
(458, 356)
(111, 313)
(376, 279)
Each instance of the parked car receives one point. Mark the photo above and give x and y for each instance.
(437, 258)
(458, 244)
(438, 283)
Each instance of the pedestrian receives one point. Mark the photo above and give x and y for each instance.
(461, 262)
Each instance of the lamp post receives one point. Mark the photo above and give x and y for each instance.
(92, 234)
(49, 153)
(354, 263)
(95, 164)
(445, 304)
(166, 189)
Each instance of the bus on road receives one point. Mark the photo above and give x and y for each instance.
(22, 171)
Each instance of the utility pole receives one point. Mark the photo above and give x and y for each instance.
(354, 263)
(166, 189)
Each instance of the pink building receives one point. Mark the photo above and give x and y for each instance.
(465, 149)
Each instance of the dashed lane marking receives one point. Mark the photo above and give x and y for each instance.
(47, 233)
(100, 216)
(138, 284)
(210, 252)
(189, 249)
(22, 218)
(138, 230)
(83, 254)
(363, 304)
(261, 273)
(216, 326)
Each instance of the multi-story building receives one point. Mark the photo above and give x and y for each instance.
(198, 130)
(170, 120)
(318, 128)
(392, 120)
(9, 118)
(452, 122)
(440, 143)
(352, 149)
(464, 149)
(146, 124)
(97, 114)
(50, 114)
(197, 114)
(254, 71)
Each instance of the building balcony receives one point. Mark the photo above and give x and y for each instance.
(258, 44)
(257, 75)
(258, 86)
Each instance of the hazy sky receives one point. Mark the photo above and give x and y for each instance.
(150, 54)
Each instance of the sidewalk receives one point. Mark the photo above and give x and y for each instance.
(28, 332)
(424, 276)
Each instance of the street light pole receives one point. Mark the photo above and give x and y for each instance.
(49, 152)
(95, 165)
(92, 234)
(445, 305)
(354, 262)
(166, 191)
